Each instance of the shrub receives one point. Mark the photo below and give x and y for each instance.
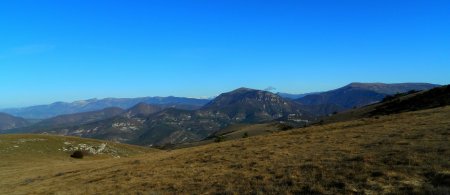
(77, 154)
(377, 174)
(245, 135)
(284, 127)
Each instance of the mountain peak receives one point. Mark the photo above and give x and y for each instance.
(243, 89)
(143, 109)
(252, 104)
(359, 84)
(241, 94)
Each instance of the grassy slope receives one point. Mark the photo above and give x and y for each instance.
(404, 153)
(18, 147)
(22, 154)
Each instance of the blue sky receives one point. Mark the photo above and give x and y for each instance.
(80, 49)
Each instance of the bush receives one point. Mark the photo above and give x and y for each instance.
(245, 135)
(377, 174)
(284, 127)
(77, 154)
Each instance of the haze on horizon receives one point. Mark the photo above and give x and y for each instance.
(66, 51)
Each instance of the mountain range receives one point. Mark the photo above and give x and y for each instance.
(146, 124)
(180, 120)
(68, 120)
(61, 108)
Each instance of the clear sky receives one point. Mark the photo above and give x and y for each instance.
(80, 49)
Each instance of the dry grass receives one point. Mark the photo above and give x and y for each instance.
(401, 154)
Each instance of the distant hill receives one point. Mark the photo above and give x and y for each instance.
(142, 109)
(150, 125)
(70, 120)
(360, 94)
(79, 118)
(409, 101)
(9, 122)
(62, 108)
